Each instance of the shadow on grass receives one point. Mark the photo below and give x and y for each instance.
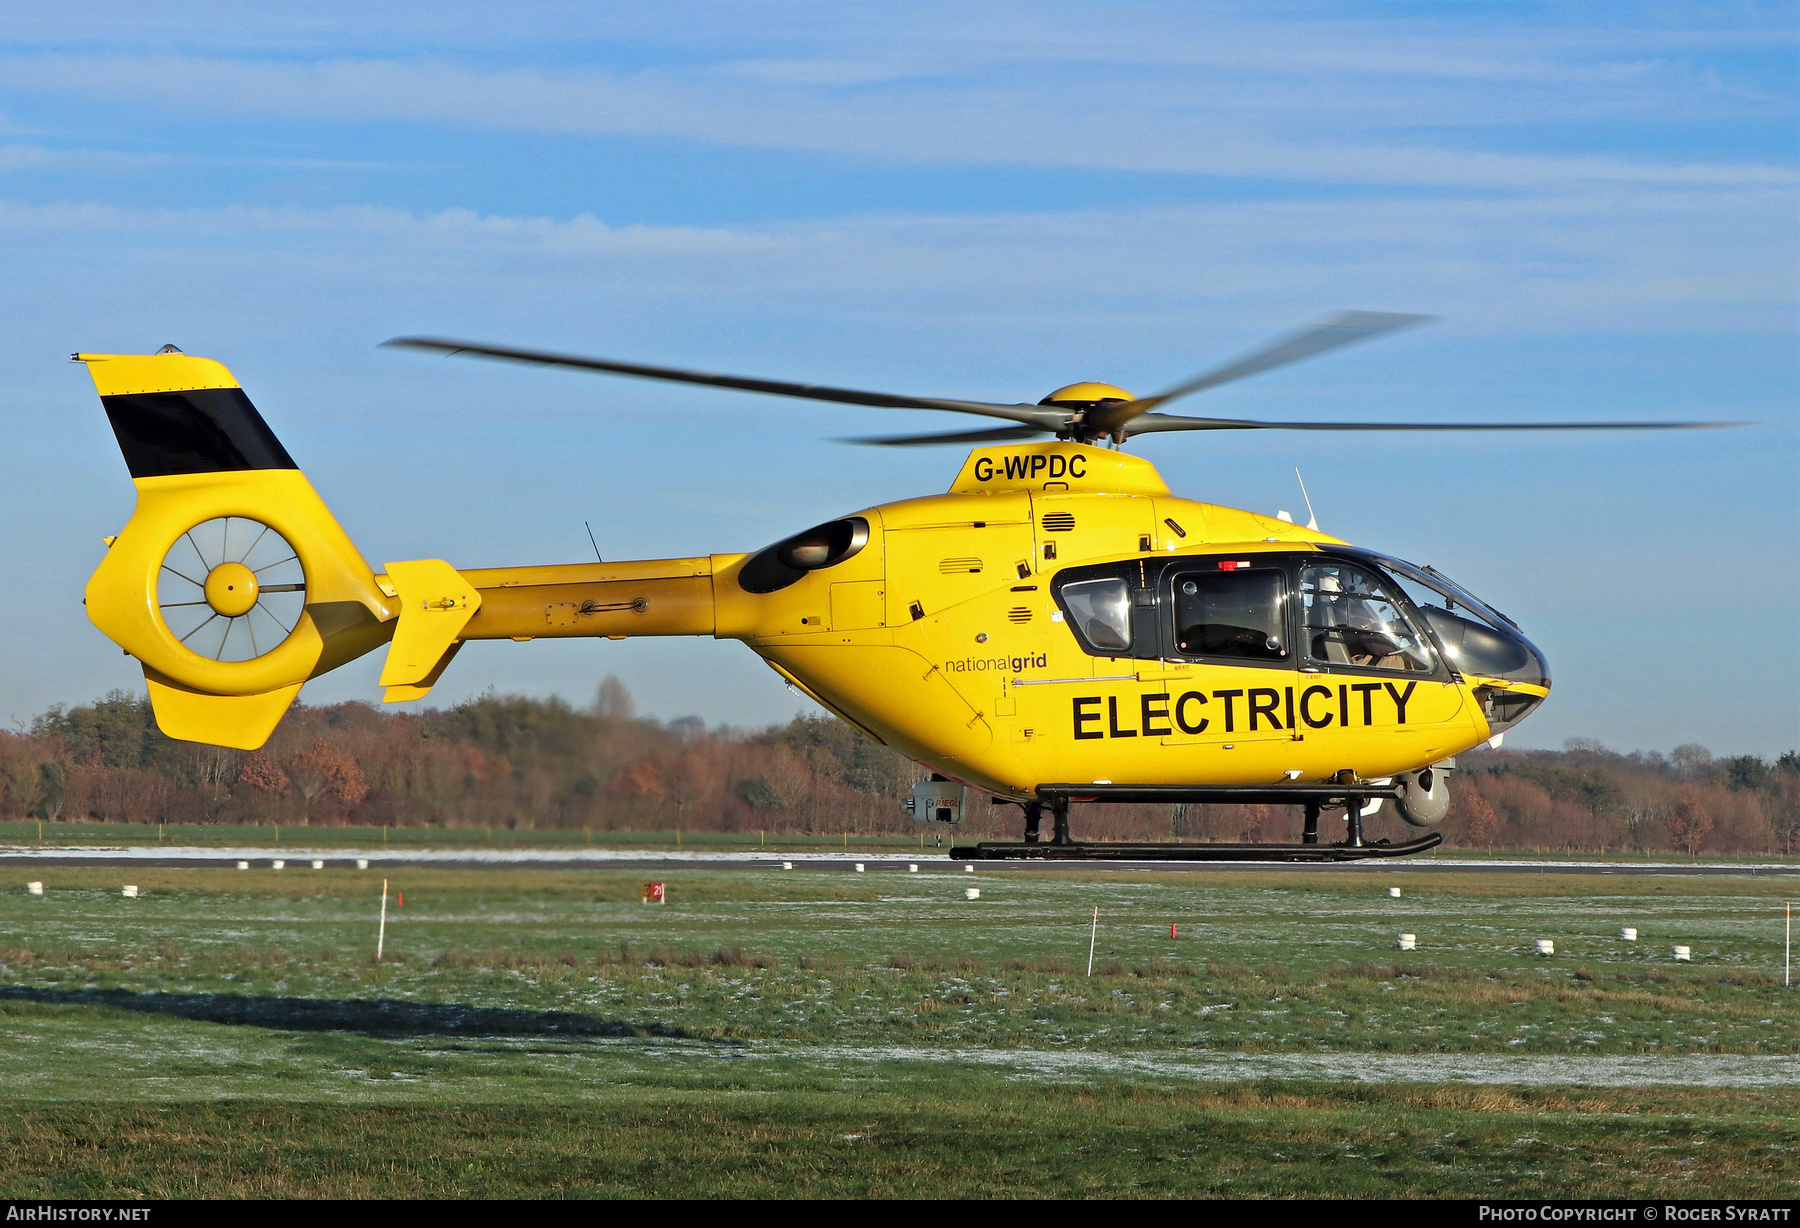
(377, 1017)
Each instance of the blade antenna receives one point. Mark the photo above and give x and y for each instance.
(592, 542)
(1312, 521)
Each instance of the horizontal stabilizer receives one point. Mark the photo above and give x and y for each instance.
(436, 603)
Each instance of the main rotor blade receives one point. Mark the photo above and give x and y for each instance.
(1049, 419)
(1152, 423)
(1331, 333)
(1009, 434)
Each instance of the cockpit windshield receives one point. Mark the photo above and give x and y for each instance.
(1477, 639)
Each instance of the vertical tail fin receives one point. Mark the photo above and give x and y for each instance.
(232, 583)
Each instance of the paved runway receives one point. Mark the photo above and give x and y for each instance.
(300, 860)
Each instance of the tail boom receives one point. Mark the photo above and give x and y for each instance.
(614, 600)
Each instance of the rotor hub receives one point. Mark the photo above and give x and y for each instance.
(232, 590)
(1085, 394)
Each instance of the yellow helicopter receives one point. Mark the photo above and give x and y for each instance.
(1058, 627)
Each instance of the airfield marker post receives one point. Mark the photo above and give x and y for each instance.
(1787, 950)
(1092, 935)
(381, 933)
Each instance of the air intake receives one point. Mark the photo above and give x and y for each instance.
(1019, 614)
(960, 567)
(1059, 522)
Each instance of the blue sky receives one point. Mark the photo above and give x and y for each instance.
(981, 201)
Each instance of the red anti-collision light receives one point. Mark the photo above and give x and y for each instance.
(1234, 564)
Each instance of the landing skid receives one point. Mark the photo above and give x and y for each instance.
(998, 851)
(1349, 795)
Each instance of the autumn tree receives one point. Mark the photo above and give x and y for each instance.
(21, 777)
(1255, 818)
(1479, 822)
(261, 772)
(321, 770)
(612, 702)
(1689, 819)
(52, 787)
(1784, 809)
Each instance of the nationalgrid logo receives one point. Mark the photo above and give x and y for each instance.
(982, 665)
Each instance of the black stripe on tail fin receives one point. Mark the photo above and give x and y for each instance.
(203, 430)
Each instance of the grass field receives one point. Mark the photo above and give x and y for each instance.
(812, 1032)
(30, 834)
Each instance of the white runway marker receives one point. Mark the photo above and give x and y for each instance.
(381, 933)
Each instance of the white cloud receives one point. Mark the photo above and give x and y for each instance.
(1321, 102)
(1600, 260)
(21, 157)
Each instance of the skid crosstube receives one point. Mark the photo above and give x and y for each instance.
(1315, 797)
(1007, 851)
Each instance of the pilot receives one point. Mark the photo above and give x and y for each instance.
(1353, 631)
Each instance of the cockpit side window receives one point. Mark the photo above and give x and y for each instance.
(1351, 620)
(1238, 613)
(1099, 612)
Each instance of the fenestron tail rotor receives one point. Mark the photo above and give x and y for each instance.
(1068, 414)
(231, 589)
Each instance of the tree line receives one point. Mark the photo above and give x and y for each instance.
(512, 762)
